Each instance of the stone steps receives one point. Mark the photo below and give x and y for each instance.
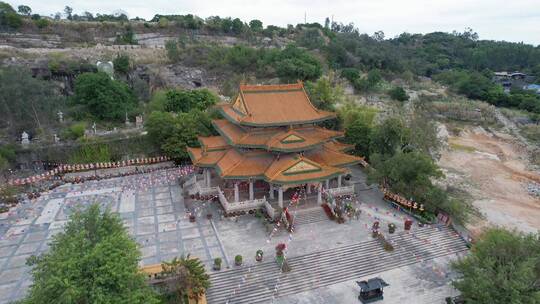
(313, 215)
(329, 267)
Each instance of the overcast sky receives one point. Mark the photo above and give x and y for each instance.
(510, 20)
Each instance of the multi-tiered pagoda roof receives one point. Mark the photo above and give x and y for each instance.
(270, 133)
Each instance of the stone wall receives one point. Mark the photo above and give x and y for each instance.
(120, 148)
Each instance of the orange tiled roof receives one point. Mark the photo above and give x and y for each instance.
(287, 168)
(206, 159)
(328, 156)
(211, 143)
(338, 146)
(273, 105)
(275, 139)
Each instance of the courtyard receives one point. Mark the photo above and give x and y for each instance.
(156, 214)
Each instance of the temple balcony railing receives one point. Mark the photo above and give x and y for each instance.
(247, 205)
(197, 187)
(344, 190)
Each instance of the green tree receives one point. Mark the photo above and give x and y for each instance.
(503, 267)
(173, 134)
(409, 174)
(237, 26)
(121, 64)
(256, 25)
(398, 93)
(324, 94)
(68, 11)
(24, 10)
(349, 112)
(104, 98)
(8, 16)
(424, 132)
(241, 58)
(359, 134)
(389, 137)
(185, 101)
(184, 276)
(41, 23)
(93, 261)
(294, 64)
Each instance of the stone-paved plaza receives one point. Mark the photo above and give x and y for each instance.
(155, 213)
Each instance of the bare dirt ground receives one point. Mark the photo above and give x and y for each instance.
(493, 168)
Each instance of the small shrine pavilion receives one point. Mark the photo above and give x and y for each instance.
(270, 142)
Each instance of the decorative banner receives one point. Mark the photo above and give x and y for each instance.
(68, 168)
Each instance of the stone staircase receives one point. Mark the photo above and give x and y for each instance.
(311, 215)
(260, 282)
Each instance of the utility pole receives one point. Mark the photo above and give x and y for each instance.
(305, 17)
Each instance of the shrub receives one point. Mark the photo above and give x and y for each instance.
(41, 23)
(74, 131)
(398, 93)
(121, 64)
(91, 153)
(238, 260)
(217, 264)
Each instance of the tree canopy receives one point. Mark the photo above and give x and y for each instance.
(174, 133)
(93, 261)
(186, 100)
(503, 267)
(183, 276)
(104, 98)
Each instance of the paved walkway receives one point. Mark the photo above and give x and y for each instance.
(156, 215)
(151, 206)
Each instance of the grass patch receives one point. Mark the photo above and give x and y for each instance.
(462, 148)
(531, 132)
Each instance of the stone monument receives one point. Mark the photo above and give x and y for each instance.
(139, 121)
(60, 116)
(56, 138)
(25, 138)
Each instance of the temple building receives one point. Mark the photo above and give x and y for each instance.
(270, 144)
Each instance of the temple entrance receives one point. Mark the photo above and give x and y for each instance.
(307, 198)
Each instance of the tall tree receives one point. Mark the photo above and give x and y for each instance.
(93, 261)
(503, 267)
(24, 10)
(104, 98)
(68, 11)
(184, 276)
(389, 137)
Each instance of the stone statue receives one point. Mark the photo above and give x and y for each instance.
(139, 121)
(56, 138)
(24, 138)
(94, 128)
(60, 116)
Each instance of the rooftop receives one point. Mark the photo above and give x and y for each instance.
(273, 105)
(282, 139)
(318, 164)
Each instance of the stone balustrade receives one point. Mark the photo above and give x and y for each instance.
(240, 206)
(345, 190)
